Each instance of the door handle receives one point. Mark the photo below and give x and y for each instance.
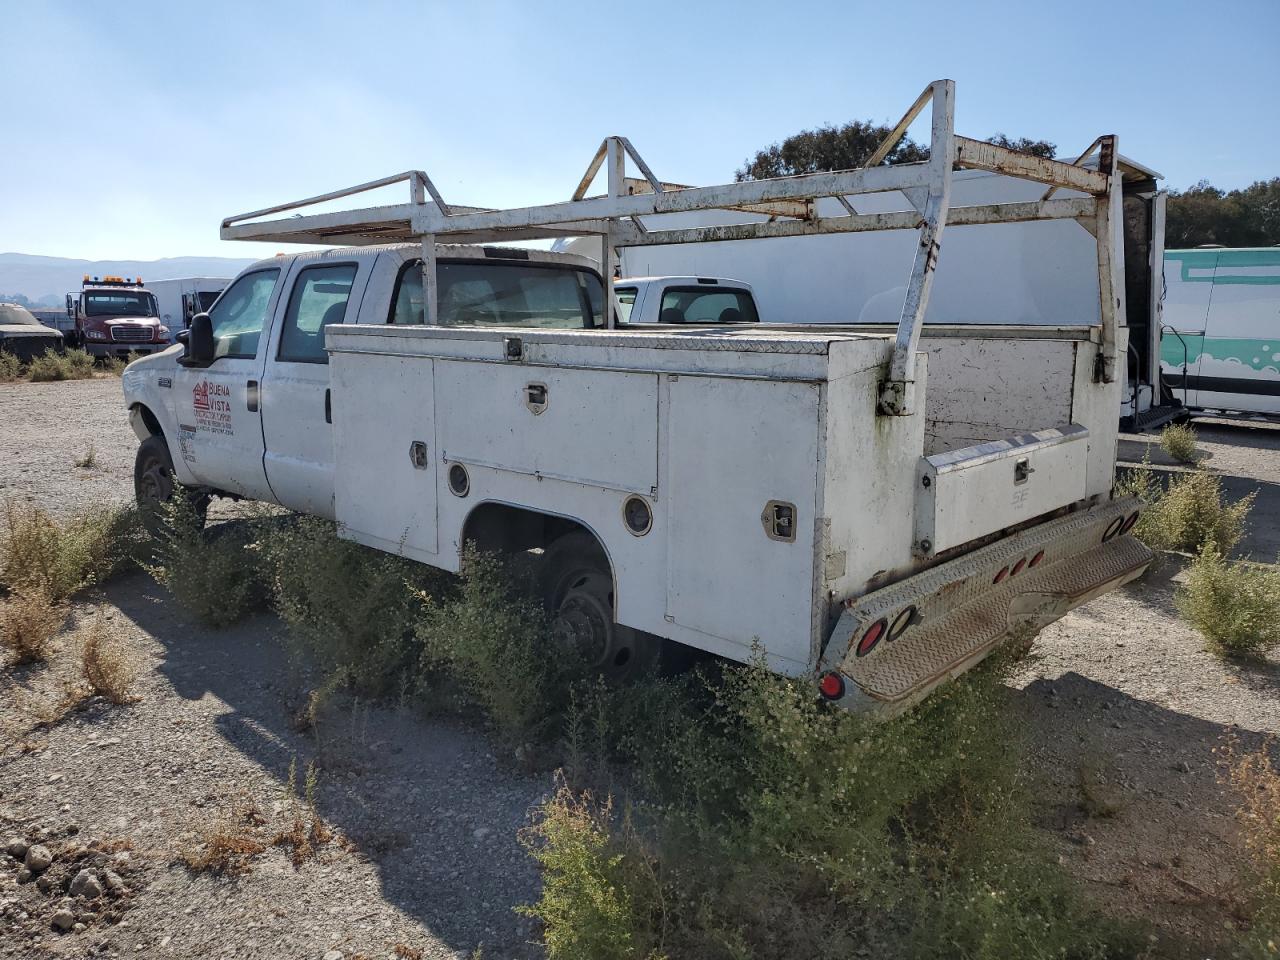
(328, 406)
(251, 396)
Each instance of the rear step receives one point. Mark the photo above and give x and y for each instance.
(894, 646)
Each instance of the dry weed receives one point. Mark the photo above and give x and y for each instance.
(29, 620)
(228, 845)
(106, 665)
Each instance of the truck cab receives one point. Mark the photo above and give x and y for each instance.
(253, 416)
(116, 316)
(686, 300)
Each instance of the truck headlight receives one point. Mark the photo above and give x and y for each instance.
(95, 334)
(164, 333)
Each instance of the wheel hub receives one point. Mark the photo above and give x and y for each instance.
(584, 623)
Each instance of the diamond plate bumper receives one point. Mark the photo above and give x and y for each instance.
(939, 623)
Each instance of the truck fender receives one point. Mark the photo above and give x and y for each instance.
(145, 423)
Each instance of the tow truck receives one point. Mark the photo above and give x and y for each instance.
(116, 316)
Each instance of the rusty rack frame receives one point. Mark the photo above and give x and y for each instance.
(789, 205)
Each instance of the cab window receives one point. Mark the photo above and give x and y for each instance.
(502, 295)
(319, 298)
(700, 305)
(239, 316)
(626, 297)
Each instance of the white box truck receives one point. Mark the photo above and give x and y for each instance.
(873, 511)
(181, 298)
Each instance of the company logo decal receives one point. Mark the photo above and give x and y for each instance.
(211, 404)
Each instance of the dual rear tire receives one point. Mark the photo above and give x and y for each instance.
(577, 591)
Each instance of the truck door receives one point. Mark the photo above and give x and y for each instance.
(297, 413)
(216, 407)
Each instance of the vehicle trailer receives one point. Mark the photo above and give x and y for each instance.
(1025, 273)
(869, 513)
(116, 317)
(1221, 348)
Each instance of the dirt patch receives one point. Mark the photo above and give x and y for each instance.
(1125, 709)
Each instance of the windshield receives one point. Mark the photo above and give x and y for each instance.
(492, 294)
(12, 313)
(119, 303)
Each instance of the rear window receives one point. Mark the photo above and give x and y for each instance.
(702, 305)
(488, 294)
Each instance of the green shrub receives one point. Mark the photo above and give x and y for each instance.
(68, 365)
(349, 608)
(587, 904)
(772, 825)
(1235, 605)
(60, 558)
(214, 574)
(10, 368)
(490, 639)
(1188, 513)
(1178, 440)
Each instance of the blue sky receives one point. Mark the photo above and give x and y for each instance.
(133, 128)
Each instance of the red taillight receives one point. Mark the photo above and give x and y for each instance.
(1017, 567)
(831, 686)
(1128, 524)
(1035, 561)
(871, 637)
(1004, 572)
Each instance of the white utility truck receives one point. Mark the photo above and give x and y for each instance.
(875, 510)
(181, 298)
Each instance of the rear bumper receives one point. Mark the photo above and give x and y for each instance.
(939, 623)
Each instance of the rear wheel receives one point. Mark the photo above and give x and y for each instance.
(154, 485)
(577, 589)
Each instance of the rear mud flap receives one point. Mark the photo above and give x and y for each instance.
(894, 646)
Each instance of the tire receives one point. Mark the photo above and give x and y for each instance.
(577, 590)
(154, 485)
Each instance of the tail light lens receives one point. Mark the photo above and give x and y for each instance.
(1017, 567)
(871, 637)
(1035, 561)
(831, 686)
(1004, 572)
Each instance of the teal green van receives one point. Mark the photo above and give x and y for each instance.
(1221, 342)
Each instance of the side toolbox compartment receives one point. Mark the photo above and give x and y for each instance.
(741, 480)
(385, 486)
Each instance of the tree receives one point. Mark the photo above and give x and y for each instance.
(847, 147)
(1204, 214)
(1037, 148)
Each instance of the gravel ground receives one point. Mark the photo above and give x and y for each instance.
(1126, 711)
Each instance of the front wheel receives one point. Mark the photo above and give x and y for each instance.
(577, 590)
(154, 486)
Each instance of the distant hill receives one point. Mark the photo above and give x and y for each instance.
(46, 280)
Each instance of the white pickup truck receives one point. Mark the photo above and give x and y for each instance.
(689, 300)
(875, 511)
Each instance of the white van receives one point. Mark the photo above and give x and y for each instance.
(1221, 344)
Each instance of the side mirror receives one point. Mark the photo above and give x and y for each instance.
(71, 306)
(199, 341)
